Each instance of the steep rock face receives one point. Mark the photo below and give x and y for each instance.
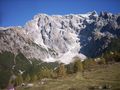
(61, 38)
(96, 36)
(15, 40)
(60, 33)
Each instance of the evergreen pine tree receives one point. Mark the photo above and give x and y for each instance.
(34, 78)
(78, 66)
(27, 78)
(18, 80)
(61, 70)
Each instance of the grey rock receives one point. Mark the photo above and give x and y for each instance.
(57, 37)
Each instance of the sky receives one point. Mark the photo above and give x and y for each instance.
(18, 12)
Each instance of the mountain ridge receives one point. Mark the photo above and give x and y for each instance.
(57, 37)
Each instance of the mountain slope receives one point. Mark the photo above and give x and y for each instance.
(61, 38)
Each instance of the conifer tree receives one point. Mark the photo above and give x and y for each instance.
(27, 79)
(34, 78)
(44, 73)
(78, 66)
(61, 70)
(18, 80)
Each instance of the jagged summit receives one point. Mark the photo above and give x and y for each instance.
(62, 37)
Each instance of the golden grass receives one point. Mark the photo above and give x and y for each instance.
(91, 80)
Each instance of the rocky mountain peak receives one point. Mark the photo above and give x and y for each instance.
(62, 37)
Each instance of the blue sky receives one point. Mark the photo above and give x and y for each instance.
(18, 12)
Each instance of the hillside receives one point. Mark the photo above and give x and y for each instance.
(65, 51)
(101, 78)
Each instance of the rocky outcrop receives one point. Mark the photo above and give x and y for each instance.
(57, 37)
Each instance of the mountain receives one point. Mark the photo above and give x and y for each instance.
(60, 38)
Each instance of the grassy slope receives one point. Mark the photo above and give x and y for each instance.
(100, 76)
